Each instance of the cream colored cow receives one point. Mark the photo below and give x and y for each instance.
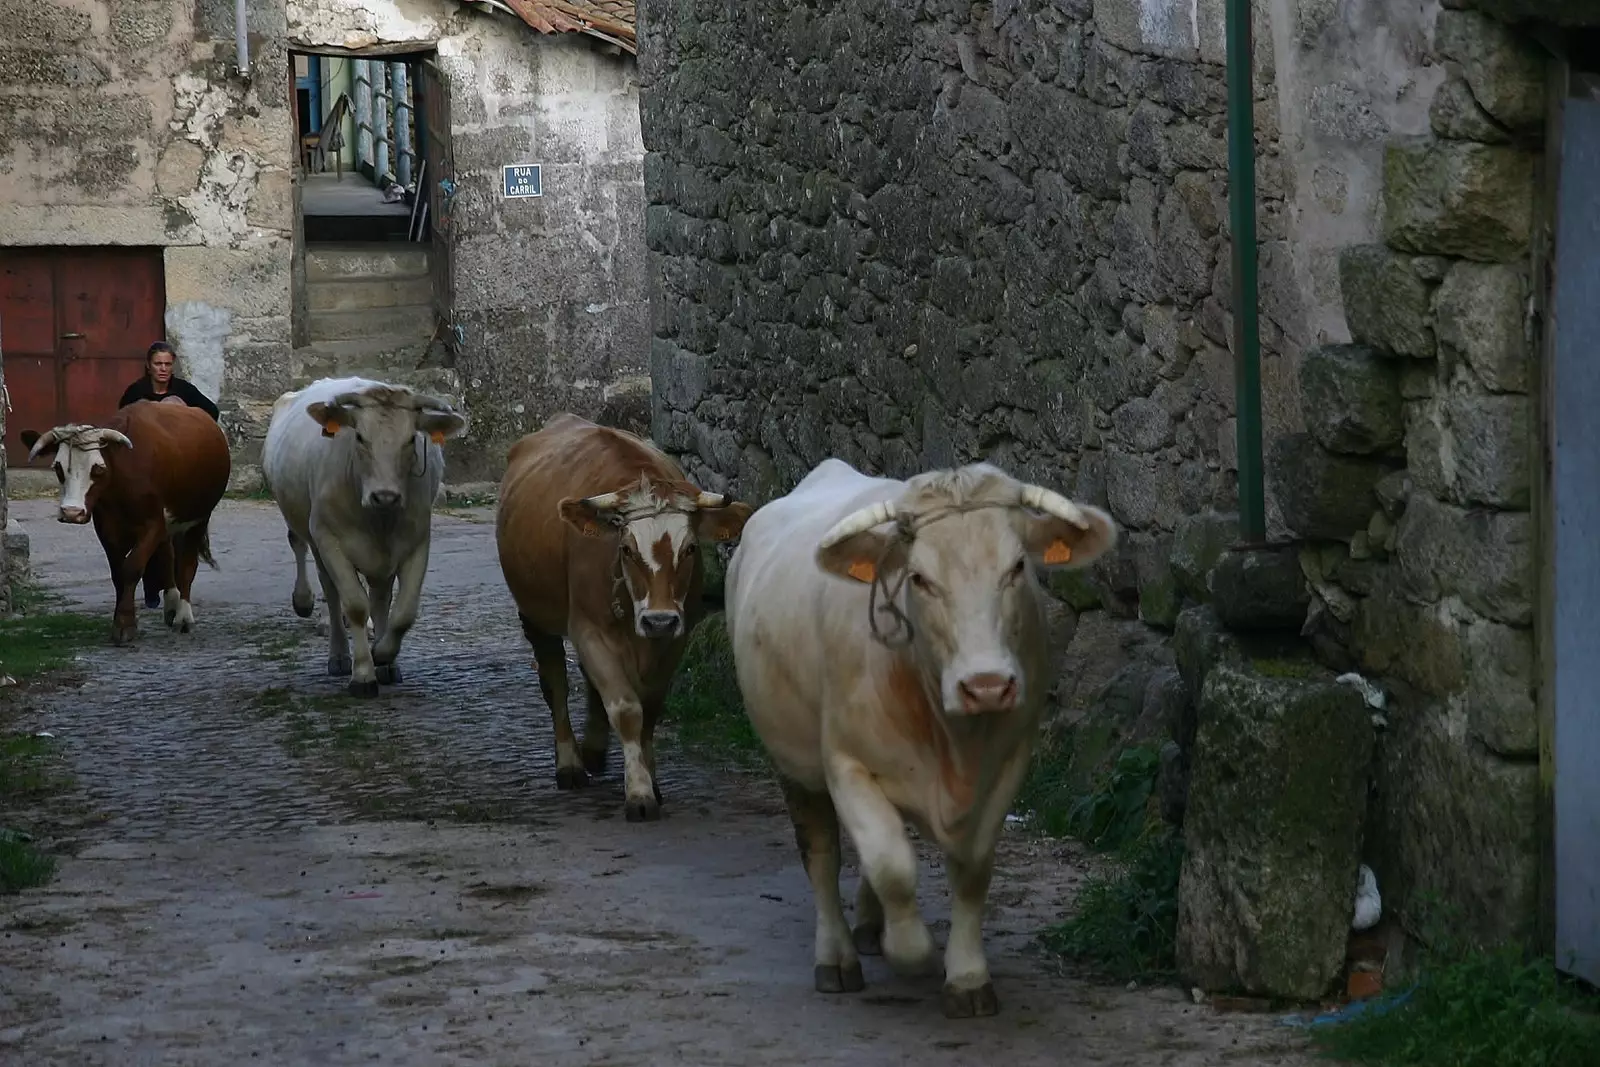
(890, 644)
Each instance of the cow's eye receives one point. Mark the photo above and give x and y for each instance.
(920, 582)
(690, 549)
(1016, 571)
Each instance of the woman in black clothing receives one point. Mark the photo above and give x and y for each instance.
(161, 385)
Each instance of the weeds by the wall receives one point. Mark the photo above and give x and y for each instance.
(705, 711)
(1474, 1007)
(1105, 815)
(1126, 923)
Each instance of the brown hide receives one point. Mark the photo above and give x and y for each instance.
(555, 573)
(179, 464)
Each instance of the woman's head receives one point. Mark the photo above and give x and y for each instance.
(158, 362)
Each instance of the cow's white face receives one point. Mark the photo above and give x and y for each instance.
(658, 533)
(969, 576)
(80, 465)
(389, 430)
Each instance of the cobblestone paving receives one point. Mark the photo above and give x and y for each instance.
(275, 871)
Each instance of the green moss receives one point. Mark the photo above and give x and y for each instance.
(1075, 588)
(1288, 668)
(705, 711)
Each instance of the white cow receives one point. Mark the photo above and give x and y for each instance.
(354, 466)
(927, 710)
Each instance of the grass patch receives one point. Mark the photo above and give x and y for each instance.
(21, 865)
(1475, 1007)
(704, 709)
(1109, 815)
(1126, 926)
(36, 643)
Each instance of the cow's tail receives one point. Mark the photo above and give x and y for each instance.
(205, 548)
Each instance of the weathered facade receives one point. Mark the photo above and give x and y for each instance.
(128, 125)
(913, 233)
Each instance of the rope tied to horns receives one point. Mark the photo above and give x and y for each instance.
(906, 529)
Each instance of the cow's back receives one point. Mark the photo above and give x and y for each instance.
(793, 627)
(567, 457)
(179, 459)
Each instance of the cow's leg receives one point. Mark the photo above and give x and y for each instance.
(154, 583)
(353, 599)
(968, 990)
(816, 833)
(381, 592)
(125, 624)
(596, 730)
(116, 558)
(550, 663)
(653, 709)
(407, 600)
(868, 933)
(186, 561)
(887, 860)
(340, 664)
(626, 713)
(303, 600)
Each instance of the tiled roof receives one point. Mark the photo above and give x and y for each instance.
(608, 19)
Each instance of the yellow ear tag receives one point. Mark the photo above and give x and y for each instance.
(438, 437)
(1058, 553)
(330, 427)
(863, 570)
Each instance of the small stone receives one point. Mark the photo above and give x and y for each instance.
(1198, 541)
(1076, 587)
(1456, 116)
(1260, 589)
(1420, 645)
(1172, 783)
(1456, 198)
(1480, 312)
(1378, 528)
(1504, 69)
(1360, 545)
(1392, 490)
(1350, 397)
(1500, 706)
(1273, 833)
(1159, 601)
(1322, 496)
(1483, 557)
(1385, 302)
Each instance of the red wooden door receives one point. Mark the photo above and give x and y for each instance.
(74, 326)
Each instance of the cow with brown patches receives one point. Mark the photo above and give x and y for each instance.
(890, 643)
(599, 539)
(149, 480)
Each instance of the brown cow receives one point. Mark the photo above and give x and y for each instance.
(149, 480)
(597, 533)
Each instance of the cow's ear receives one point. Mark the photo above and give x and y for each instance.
(721, 524)
(860, 557)
(1055, 542)
(28, 438)
(439, 425)
(584, 517)
(332, 419)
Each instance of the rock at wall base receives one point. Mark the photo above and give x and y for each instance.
(1260, 589)
(1273, 833)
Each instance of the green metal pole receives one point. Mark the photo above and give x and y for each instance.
(1246, 279)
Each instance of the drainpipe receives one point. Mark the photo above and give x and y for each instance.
(403, 151)
(1246, 280)
(241, 37)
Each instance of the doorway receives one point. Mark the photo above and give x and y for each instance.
(77, 322)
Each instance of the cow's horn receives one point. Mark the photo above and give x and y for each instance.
(45, 440)
(710, 500)
(857, 521)
(348, 400)
(429, 402)
(1053, 503)
(605, 501)
(112, 437)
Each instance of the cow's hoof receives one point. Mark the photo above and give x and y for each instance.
(908, 947)
(647, 809)
(340, 666)
(305, 607)
(124, 635)
(185, 626)
(364, 689)
(594, 762)
(846, 979)
(389, 673)
(970, 1003)
(868, 938)
(169, 617)
(571, 777)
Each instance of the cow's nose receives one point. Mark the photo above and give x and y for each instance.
(77, 516)
(988, 692)
(384, 498)
(659, 623)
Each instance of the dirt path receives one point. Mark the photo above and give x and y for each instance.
(266, 871)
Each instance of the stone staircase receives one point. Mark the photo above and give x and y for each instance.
(371, 314)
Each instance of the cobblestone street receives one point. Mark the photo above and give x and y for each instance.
(264, 869)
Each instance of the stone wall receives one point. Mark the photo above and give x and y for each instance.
(550, 293)
(918, 233)
(120, 124)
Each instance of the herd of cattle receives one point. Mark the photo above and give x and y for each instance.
(889, 636)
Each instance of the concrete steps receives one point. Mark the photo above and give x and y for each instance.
(338, 262)
(359, 293)
(397, 323)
